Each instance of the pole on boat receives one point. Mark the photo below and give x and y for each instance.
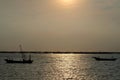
(29, 57)
(23, 55)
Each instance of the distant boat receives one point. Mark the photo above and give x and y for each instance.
(104, 59)
(24, 60)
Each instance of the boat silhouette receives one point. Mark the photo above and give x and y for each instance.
(24, 60)
(104, 59)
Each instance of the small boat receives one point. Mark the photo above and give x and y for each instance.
(24, 60)
(104, 59)
(18, 61)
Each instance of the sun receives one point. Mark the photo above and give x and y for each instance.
(67, 2)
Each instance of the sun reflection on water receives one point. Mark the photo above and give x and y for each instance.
(68, 64)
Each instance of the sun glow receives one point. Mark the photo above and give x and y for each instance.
(71, 4)
(67, 3)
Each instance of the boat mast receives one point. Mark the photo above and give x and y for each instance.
(23, 55)
(29, 57)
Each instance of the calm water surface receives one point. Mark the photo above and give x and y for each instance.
(61, 67)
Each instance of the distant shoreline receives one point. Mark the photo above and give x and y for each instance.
(59, 52)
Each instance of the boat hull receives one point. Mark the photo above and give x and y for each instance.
(16, 61)
(104, 59)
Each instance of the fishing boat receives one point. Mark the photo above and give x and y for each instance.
(104, 59)
(23, 60)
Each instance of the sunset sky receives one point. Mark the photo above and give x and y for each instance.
(60, 25)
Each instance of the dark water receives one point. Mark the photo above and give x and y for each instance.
(61, 67)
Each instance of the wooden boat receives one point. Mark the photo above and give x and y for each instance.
(104, 59)
(20, 61)
(24, 60)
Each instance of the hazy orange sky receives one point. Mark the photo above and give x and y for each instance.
(60, 25)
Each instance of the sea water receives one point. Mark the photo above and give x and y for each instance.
(61, 67)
